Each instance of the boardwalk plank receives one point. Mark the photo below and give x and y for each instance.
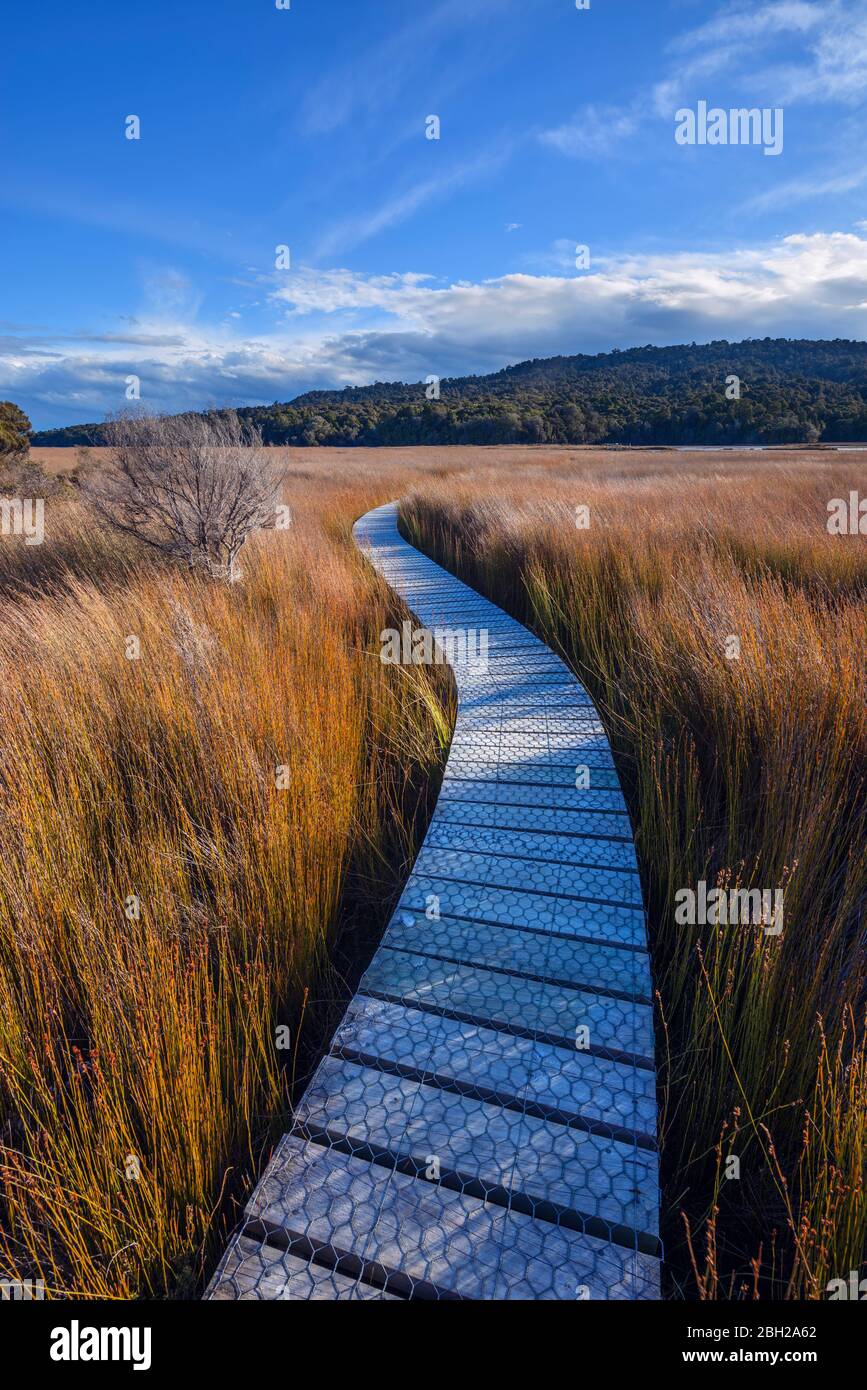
(578, 1085)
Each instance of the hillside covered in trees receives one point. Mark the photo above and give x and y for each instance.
(791, 392)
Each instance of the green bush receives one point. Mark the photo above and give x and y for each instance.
(15, 429)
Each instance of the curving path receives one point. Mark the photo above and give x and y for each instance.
(484, 1124)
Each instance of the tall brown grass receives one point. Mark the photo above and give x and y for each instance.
(749, 772)
(141, 1082)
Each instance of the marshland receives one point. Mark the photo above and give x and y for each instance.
(180, 924)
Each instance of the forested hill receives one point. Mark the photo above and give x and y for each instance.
(791, 391)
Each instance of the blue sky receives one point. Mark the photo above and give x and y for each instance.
(305, 127)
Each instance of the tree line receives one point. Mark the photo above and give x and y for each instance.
(761, 391)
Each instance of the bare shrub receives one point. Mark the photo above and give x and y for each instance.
(191, 486)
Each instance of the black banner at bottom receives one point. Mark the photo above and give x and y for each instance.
(82, 1340)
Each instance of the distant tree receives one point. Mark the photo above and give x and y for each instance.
(191, 486)
(15, 430)
(812, 432)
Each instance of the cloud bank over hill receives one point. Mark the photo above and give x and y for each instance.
(337, 327)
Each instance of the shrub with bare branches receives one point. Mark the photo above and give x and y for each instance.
(191, 486)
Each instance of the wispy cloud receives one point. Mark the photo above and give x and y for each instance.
(805, 189)
(354, 231)
(744, 22)
(828, 64)
(784, 51)
(376, 76)
(835, 69)
(593, 133)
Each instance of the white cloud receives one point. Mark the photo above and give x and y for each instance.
(308, 291)
(803, 285)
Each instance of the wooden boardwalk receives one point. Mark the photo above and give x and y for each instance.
(484, 1124)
